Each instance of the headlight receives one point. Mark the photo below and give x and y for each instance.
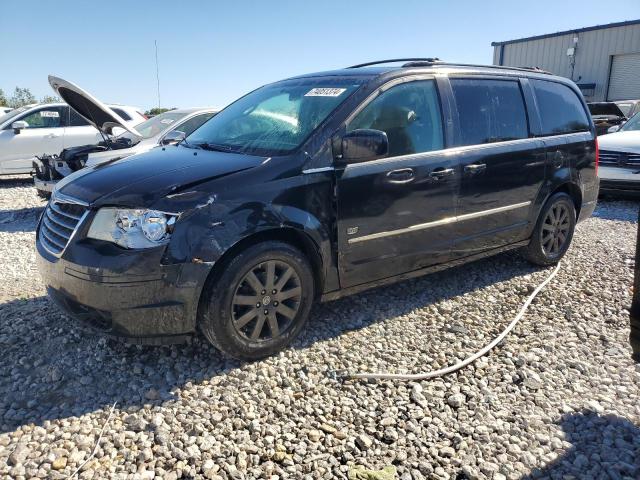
(132, 228)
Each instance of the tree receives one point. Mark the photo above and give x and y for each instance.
(156, 111)
(3, 99)
(21, 97)
(50, 99)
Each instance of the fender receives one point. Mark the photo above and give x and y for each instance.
(215, 228)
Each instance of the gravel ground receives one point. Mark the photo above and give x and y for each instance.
(558, 399)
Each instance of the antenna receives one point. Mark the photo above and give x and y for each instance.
(157, 72)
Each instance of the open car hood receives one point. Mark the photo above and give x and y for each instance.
(89, 107)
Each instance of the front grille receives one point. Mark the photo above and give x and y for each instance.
(59, 221)
(621, 159)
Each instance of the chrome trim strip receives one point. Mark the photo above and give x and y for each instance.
(461, 149)
(57, 209)
(491, 211)
(42, 234)
(62, 198)
(318, 170)
(436, 223)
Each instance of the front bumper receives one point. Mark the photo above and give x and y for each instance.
(121, 293)
(621, 181)
(44, 185)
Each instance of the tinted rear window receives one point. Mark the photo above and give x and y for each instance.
(75, 120)
(561, 110)
(124, 115)
(489, 111)
(605, 109)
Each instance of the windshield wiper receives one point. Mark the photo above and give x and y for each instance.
(214, 147)
(184, 143)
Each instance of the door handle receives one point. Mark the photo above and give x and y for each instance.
(52, 135)
(475, 167)
(400, 176)
(442, 172)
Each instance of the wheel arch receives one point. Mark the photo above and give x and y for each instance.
(292, 236)
(573, 191)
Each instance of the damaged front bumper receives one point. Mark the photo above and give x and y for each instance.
(124, 293)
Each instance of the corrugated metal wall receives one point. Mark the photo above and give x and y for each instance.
(593, 54)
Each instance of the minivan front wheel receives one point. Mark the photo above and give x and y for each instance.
(553, 232)
(260, 301)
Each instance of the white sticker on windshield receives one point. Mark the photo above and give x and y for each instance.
(324, 92)
(166, 121)
(49, 113)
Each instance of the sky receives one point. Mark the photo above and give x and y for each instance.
(212, 52)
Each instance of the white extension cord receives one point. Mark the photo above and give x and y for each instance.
(466, 361)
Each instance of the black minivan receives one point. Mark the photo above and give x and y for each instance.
(316, 187)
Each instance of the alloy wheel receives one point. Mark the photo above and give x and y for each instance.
(555, 229)
(266, 301)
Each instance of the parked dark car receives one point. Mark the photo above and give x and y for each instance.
(606, 115)
(316, 187)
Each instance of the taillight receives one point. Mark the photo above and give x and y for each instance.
(597, 156)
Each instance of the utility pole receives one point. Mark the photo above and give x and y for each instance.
(634, 311)
(157, 72)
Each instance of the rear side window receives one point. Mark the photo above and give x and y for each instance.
(123, 115)
(560, 108)
(410, 116)
(75, 120)
(489, 111)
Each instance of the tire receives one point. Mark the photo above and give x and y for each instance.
(233, 309)
(557, 221)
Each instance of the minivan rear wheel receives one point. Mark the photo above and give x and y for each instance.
(552, 235)
(260, 302)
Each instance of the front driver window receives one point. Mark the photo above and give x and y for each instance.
(48, 117)
(410, 116)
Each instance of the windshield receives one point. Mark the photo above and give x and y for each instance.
(155, 126)
(275, 119)
(632, 125)
(604, 109)
(13, 113)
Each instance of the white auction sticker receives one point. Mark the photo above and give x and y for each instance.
(49, 113)
(166, 121)
(324, 92)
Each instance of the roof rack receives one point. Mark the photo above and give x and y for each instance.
(429, 62)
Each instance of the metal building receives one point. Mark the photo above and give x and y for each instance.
(603, 60)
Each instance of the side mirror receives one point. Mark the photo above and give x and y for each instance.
(19, 125)
(364, 144)
(613, 129)
(173, 137)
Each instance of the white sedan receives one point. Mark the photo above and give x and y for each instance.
(35, 130)
(619, 169)
(166, 128)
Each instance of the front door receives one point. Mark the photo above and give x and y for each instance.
(394, 214)
(503, 166)
(43, 136)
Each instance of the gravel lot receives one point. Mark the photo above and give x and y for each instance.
(558, 399)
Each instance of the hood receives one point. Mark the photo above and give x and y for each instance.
(605, 109)
(139, 181)
(96, 158)
(621, 141)
(89, 107)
